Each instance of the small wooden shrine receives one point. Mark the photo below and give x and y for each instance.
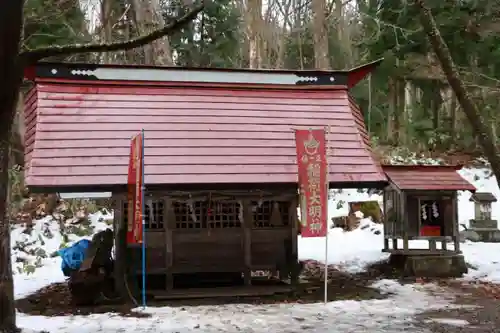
(420, 203)
(220, 158)
(483, 224)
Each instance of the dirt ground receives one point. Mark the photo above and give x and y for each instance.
(481, 313)
(55, 300)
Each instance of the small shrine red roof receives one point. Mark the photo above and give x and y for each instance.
(201, 126)
(427, 177)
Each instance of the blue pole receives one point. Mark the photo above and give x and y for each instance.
(143, 189)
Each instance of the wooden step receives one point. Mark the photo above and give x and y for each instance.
(239, 291)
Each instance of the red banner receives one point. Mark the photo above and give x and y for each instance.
(135, 195)
(311, 160)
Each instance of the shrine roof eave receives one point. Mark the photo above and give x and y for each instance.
(48, 71)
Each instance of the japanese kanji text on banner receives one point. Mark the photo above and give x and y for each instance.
(312, 164)
(135, 195)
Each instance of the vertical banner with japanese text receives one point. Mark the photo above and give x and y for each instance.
(312, 165)
(135, 195)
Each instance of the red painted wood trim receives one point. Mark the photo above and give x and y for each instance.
(359, 73)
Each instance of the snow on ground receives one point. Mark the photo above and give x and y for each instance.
(390, 315)
(33, 263)
(450, 321)
(352, 251)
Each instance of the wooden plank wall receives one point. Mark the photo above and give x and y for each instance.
(171, 250)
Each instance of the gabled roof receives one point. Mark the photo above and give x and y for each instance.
(78, 131)
(427, 177)
(483, 197)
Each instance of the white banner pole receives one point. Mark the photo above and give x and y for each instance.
(327, 149)
(326, 267)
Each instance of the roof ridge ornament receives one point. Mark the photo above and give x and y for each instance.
(116, 73)
(85, 72)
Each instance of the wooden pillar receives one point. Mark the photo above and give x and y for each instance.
(294, 255)
(120, 234)
(169, 224)
(247, 241)
(443, 245)
(432, 245)
(456, 232)
(386, 221)
(406, 219)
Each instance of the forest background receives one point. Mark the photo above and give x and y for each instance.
(407, 102)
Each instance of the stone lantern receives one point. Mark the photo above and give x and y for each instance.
(483, 224)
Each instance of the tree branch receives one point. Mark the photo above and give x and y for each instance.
(31, 57)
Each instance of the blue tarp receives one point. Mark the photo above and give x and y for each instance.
(72, 257)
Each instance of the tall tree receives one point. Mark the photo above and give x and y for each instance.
(254, 22)
(148, 14)
(321, 59)
(13, 61)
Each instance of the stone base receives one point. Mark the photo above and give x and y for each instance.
(430, 266)
(487, 235)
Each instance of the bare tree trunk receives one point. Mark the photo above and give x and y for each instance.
(148, 17)
(409, 101)
(107, 26)
(480, 128)
(163, 51)
(321, 60)
(7, 308)
(11, 22)
(254, 26)
(393, 109)
(402, 126)
(17, 137)
(284, 7)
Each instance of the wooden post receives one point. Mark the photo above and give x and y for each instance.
(394, 243)
(169, 223)
(120, 233)
(432, 245)
(294, 221)
(386, 221)
(247, 241)
(454, 214)
(406, 219)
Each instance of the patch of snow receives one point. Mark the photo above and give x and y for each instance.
(449, 321)
(389, 316)
(483, 257)
(352, 250)
(359, 214)
(85, 195)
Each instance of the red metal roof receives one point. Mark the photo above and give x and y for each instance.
(427, 177)
(79, 132)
